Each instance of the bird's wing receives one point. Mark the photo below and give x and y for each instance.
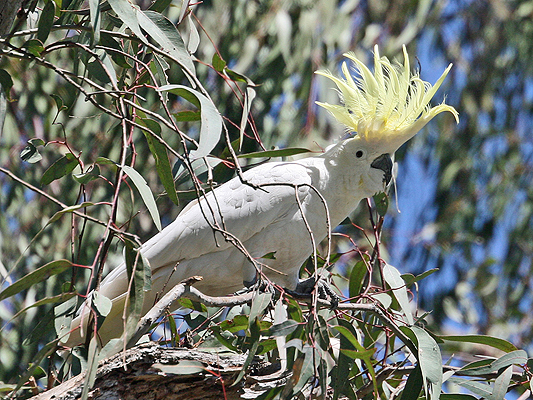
(237, 207)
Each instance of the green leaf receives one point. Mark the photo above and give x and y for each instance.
(107, 40)
(344, 362)
(484, 367)
(146, 194)
(64, 166)
(102, 69)
(64, 313)
(397, 284)
(165, 34)
(381, 200)
(255, 338)
(47, 300)
(46, 20)
(6, 82)
(495, 342)
(66, 210)
(59, 102)
(479, 388)
(160, 5)
(182, 367)
(135, 267)
(501, 384)
(238, 323)
(96, 19)
(211, 124)
(269, 256)
(162, 163)
(40, 329)
(34, 47)
(188, 116)
(37, 359)
(101, 303)
(92, 173)
(218, 63)
(192, 305)
(284, 328)
(291, 151)
(430, 360)
(39, 275)
(357, 277)
(127, 12)
(238, 77)
(223, 339)
(356, 354)
(259, 303)
(410, 278)
(30, 153)
(92, 367)
(249, 96)
(193, 38)
(414, 384)
(306, 368)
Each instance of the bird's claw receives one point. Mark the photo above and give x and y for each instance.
(305, 288)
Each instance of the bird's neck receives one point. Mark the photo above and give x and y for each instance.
(340, 183)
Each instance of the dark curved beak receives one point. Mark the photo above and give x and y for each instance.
(384, 163)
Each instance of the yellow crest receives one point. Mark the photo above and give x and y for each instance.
(388, 106)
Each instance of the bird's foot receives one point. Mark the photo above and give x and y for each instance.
(305, 288)
(256, 285)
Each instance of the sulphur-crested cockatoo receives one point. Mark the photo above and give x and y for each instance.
(281, 204)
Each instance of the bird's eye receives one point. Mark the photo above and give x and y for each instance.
(359, 153)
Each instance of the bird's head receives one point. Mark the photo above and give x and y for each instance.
(385, 108)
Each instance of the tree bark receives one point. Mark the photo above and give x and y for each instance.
(8, 10)
(150, 371)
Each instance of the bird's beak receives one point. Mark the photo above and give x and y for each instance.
(384, 163)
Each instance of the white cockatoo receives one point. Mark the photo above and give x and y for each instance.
(281, 206)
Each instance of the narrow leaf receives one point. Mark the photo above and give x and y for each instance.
(164, 33)
(259, 304)
(218, 63)
(194, 36)
(6, 83)
(397, 284)
(414, 384)
(64, 166)
(127, 12)
(211, 124)
(101, 303)
(430, 360)
(410, 278)
(283, 328)
(255, 337)
(501, 384)
(249, 96)
(92, 367)
(145, 193)
(39, 275)
(46, 20)
(96, 19)
(357, 278)
(479, 388)
(162, 163)
(495, 342)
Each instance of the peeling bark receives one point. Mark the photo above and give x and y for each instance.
(150, 371)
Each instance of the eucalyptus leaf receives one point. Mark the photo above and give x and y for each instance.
(211, 121)
(146, 194)
(36, 276)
